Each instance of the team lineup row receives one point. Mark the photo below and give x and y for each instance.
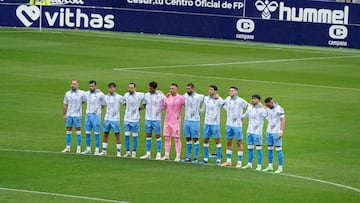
(154, 102)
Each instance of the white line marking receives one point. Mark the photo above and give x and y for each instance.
(60, 195)
(238, 62)
(90, 198)
(246, 80)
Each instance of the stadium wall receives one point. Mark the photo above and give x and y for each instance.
(330, 24)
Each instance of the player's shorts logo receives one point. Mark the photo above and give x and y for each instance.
(28, 14)
(266, 7)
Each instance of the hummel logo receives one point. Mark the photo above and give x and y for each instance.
(266, 7)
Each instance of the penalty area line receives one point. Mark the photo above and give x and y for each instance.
(60, 195)
(243, 80)
(236, 63)
(106, 200)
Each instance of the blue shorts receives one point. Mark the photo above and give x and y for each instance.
(92, 122)
(232, 132)
(153, 125)
(272, 139)
(131, 126)
(211, 130)
(73, 121)
(192, 129)
(114, 125)
(253, 139)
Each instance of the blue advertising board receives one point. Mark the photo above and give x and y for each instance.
(276, 21)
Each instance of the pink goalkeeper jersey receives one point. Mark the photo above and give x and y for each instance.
(173, 106)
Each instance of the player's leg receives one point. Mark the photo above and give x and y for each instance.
(238, 138)
(97, 128)
(115, 125)
(270, 148)
(68, 134)
(240, 153)
(278, 144)
(216, 130)
(258, 143)
(187, 134)
(106, 130)
(127, 128)
(105, 142)
(88, 128)
(167, 145)
(157, 130)
(195, 136)
(135, 128)
(176, 133)
(207, 135)
(148, 130)
(250, 146)
(229, 138)
(77, 124)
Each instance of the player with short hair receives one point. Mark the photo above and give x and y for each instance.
(234, 106)
(73, 100)
(153, 102)
(112, 101)
(274, 133)
(192, 122)
(94, 103)
(173, 104)
(212, 107)
(132, 100)
(256, 113)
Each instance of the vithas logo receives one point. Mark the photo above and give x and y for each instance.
(65, 17)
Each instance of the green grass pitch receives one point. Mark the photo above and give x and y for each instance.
(319, 89)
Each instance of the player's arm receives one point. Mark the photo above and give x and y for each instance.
(246, 115)
(142, 107)
(65, 111)
(203, 108)
(282, 126)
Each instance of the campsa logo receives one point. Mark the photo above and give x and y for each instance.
(266, 7)
(63, 2)
(311, 15)
(65, 17)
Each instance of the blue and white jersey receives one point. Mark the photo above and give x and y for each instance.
(256, 115)
(273, 118)
(94, 101)
(112, 103)
(192, 106)
(74, 100)
(133, 102)
(153, 103)
(234, 108)
(212, 108)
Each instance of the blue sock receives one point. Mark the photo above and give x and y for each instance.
(88, 140)
(218, 151)
(148, 144)
(78, 139)
(135, 143)
(251, 155)
(127, 142)
(188, 149)
(158, 144)
(270, 156)
(259, 156)
(97, 140)
(228, 154)
(68, 139)
(206, 151)
(240, 155)
(280, 157)
(196, 149)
